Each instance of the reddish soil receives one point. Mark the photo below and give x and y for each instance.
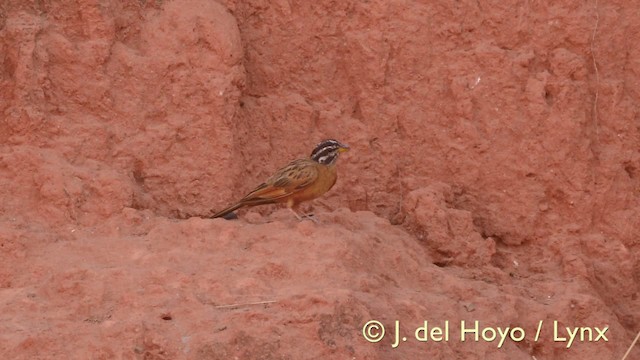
(494, 176)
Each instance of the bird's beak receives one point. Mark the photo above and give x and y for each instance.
(343, 148)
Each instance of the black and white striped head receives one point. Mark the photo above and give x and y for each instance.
(327, 151)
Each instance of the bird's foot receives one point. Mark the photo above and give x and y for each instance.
(305, 216)
(311, 217)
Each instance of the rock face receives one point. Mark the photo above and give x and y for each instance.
(494, 176)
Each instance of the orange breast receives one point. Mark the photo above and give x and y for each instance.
(327, 176)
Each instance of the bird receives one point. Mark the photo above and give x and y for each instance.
(301, 180)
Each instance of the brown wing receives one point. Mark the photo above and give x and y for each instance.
(290, 179)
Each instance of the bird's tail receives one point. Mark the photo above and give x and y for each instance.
(228, 210)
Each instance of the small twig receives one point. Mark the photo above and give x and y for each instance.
(631, 347)
(593, 146)
(245, 304)
(595, 68)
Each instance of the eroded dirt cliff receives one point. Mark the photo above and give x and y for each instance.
(494, 176)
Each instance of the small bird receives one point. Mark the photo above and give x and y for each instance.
(301, 180)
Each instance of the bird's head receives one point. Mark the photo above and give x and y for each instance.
(327, 151)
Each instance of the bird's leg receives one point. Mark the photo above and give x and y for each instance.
(295, 213)
(310, 216)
